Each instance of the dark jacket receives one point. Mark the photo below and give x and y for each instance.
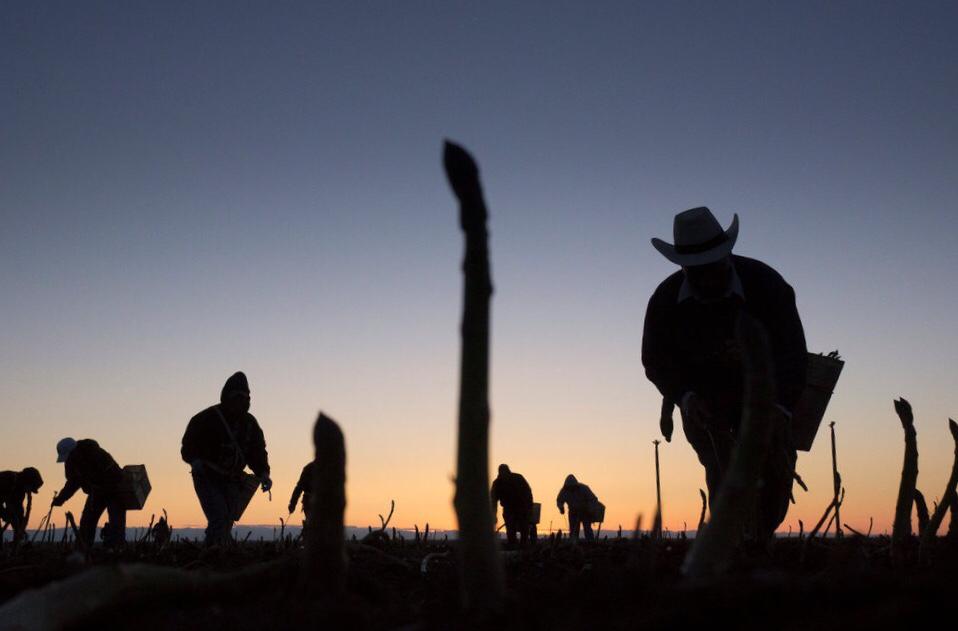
(515, 494)
(11, 496)
(690, 346)
(206, 438)
(304, 486)
(89, 467)
(578, 496)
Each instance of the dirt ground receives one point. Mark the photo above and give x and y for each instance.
(613, 584)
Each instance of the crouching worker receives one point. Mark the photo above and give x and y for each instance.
(513, 492)
(582, 502)
(93, 470)
(305, 488)
(15, 487)
(219, 443)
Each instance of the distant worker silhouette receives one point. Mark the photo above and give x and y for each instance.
(91, 468)
(304, 487)
(583, 505)
(514, 493)
(15, 486)
(690, 353)
(219, 443)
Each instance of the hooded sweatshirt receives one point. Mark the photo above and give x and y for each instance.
(577, 495)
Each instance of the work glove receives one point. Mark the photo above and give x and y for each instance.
(292, 507)
(57, 501)
(267, 484)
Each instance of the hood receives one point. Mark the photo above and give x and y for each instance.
(570, 480)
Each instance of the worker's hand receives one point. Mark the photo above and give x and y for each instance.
(561, 510)
(292, 507)
(695, 409)
(666, 426)
(57, 501)
(266, 483)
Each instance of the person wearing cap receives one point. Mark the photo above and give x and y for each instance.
(15, 487)
(689, 351)
(514, 493)
(93, 470)
(219, 443)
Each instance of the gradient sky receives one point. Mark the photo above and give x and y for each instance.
(187, 190)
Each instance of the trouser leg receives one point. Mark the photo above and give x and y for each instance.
(92, 510)
(777, 481)
(116, 534)
(587, 527)
(574, 522)
(714, 448)
(213, 496)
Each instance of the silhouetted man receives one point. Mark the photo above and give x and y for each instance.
(15, 486)
(513, 492)
(581, 502)
(93, 470)
(304, 487)
(219, 443)
(690, 353)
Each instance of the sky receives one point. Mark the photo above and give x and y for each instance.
(187, 190)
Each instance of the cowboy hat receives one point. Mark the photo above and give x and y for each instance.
(699, 239)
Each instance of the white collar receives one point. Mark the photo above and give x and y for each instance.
(734, 287)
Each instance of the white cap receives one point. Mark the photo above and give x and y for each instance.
(64, 447)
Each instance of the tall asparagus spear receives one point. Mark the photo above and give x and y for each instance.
(325, 538)
(713, 547)
(901, 530)
(930, 532)
(480, 565)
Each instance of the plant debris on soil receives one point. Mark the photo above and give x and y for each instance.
(616, 583)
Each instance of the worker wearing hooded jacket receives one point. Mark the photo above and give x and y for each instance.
(219, 443)
(580, 500)
(15, 486)
(514, 493)
(93, 470)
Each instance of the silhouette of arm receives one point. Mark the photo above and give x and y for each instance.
(256, 455)
(659, 355)
(297, 491)
(71, 486)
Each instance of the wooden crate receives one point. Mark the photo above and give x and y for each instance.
(135, 487)
(821, 378)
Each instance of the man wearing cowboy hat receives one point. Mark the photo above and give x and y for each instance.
(689, 350)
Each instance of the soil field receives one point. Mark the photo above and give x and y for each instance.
(613, 584)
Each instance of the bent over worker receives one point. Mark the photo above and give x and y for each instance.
(219, 443)
(15, 487)
(93, 470)
(581, 501)
(690, 352)
(514, 493)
